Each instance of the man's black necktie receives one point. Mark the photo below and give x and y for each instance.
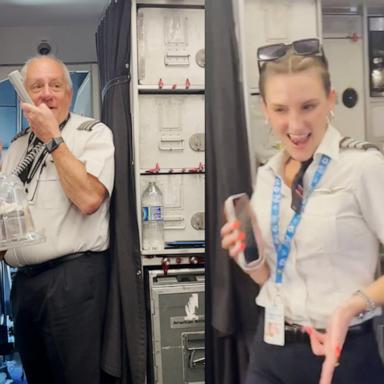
(297, 187)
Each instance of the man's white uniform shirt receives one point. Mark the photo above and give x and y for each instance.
(66, 229)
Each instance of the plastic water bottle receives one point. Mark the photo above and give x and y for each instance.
(153, 219)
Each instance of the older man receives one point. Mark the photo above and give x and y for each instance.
(59, 292)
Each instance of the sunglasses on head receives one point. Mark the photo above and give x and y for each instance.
(304, 47)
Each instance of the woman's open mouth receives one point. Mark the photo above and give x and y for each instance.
(299, 140)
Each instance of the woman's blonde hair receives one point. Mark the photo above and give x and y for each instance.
(294, 63)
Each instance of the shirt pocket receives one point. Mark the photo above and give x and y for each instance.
(50, 192)
(334, 201)
(317, 232)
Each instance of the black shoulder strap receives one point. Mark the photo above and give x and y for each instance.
(20, 134)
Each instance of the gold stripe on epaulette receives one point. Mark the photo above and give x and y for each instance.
(349, 143)
(88, 125)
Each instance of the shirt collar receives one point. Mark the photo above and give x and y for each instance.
(64, 122)
(329, 146)
(276, 162)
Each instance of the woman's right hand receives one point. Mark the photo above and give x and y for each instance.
(232, 239)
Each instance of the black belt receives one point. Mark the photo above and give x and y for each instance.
(294, 333)
(35, 269)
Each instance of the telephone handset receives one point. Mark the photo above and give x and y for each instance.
(17, 81)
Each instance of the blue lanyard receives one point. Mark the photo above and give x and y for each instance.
(283, 248)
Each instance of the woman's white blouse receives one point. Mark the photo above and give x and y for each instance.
(336, 246)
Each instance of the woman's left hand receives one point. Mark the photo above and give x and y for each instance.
(330, 343)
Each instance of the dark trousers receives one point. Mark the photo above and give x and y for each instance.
(296, 364)
(58, 320)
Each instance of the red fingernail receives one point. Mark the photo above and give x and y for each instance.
(241, 236)
(242, 246)
(337, 351)
(236, 224)
(308, 330)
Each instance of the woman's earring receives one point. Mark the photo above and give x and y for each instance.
(268, 126)
(331, 117)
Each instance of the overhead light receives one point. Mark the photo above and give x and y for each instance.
(53, 2)
(34, 2)
(40, 2)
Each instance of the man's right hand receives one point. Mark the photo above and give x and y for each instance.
(42, 121)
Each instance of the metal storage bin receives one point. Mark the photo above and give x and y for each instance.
(171, 131)
(177, 322)
(171, 47)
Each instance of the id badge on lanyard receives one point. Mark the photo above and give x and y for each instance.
(274, 321)
(274, 331)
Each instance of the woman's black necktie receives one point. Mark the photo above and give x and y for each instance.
(297, 187)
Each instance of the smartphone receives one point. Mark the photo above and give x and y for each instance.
(17, 81)
(239, 207)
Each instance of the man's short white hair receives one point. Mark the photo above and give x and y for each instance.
(67, 76)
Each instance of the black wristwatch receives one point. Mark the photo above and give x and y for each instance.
(54, 143)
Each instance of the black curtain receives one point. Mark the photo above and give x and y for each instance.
(124, 347)
(231, 313)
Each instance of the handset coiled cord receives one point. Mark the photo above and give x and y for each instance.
(27, 161)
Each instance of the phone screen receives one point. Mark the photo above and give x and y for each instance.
(244, 212)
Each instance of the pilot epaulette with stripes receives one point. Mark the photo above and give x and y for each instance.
(349, 143)
(88, 125)
(20, 134)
